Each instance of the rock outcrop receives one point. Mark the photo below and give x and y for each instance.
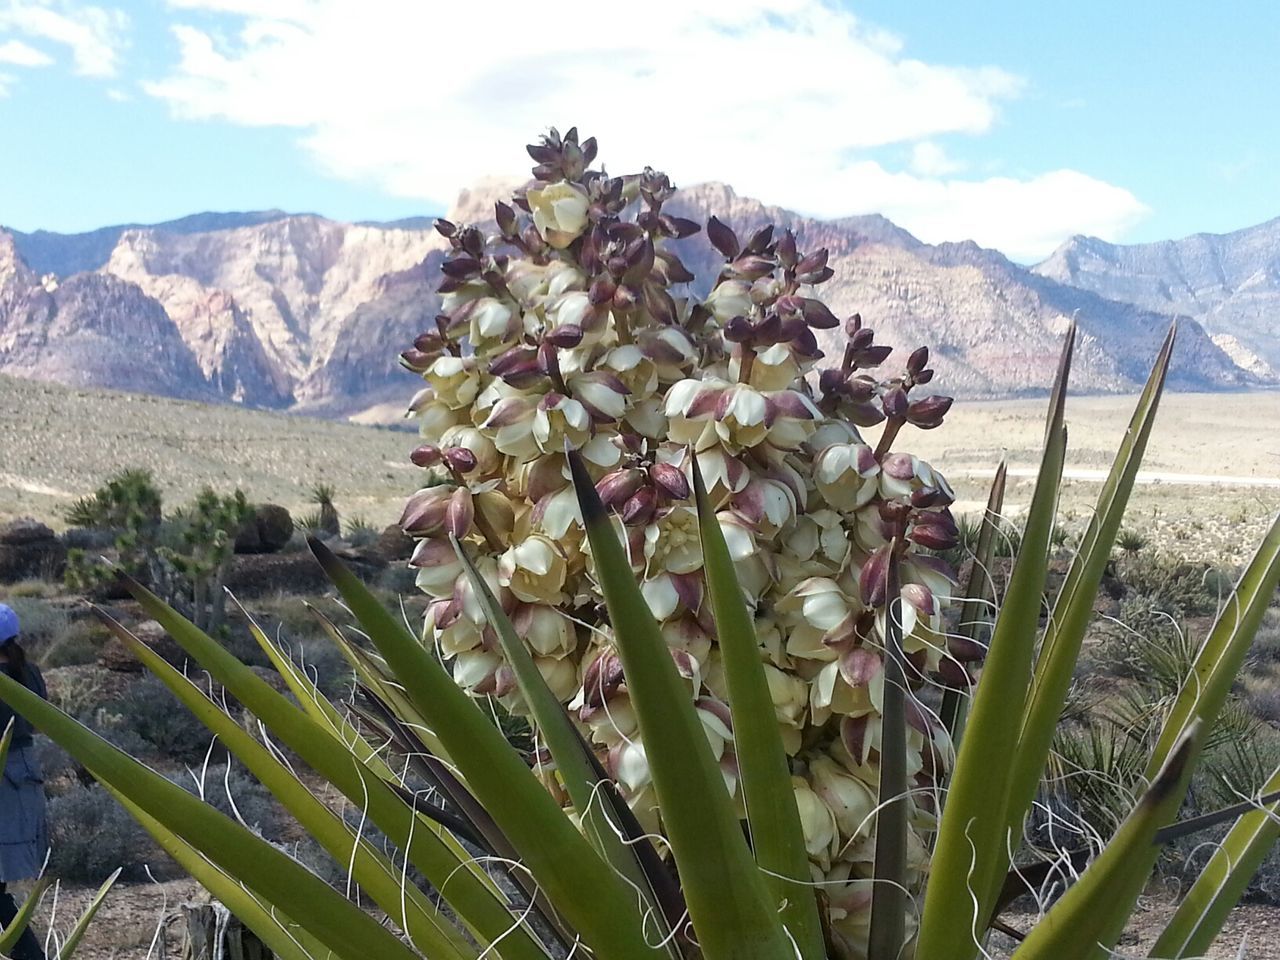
(308, 314)
(1229, 283)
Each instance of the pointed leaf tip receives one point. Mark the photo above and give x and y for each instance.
(589, 502)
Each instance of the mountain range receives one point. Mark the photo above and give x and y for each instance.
(295, 311)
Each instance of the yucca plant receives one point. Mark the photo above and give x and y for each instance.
(767, 850)
(586, 876)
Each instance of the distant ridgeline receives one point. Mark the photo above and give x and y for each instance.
(299, 312)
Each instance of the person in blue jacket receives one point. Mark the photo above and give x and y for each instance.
(24, 831)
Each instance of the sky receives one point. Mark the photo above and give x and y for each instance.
(1011, 123)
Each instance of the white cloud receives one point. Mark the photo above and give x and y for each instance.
(94, 35)
(1026, 219)
(784, 99)
(23, 55)
(930, 160)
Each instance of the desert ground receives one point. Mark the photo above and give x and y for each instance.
(1210, 483)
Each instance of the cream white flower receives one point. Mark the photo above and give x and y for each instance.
(559, 212)
(819, 535)
(488, 460)
(560, 420)
(821, 837)
(438, 567)
(845, 474)
(730, 299)
(534, 570)
(494, 325)
(510, 426)
(774, 368)
(435, 418)
(547, 631)
(742, 417)
(850, 800)
(456, 380)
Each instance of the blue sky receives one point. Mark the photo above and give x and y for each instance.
(1012, 123)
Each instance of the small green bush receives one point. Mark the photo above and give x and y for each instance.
(41, 622)
(232, 790)
(80, 644)
(91, 835)
(153, 714)
(1174, 586)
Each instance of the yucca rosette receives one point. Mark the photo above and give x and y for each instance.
(571, 323)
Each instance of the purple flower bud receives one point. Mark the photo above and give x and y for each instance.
(460, 459)
(933, 536)
(624, 298)
(831, 382)
(964, 649)
(873, 356)
(671, 480)
(548, 359)
(924, 376)
(954, 675)
(873, 580)
(513, 358)
(805, 345)
(853, 734)
(460, 512)
(424, 512)
(739, 330)
(722, 238)
(895, 402)
(460, 268)
(415, 360)
(601, 680)
(861, 339)
(918, 360)
(787, 249)
(639, 510)
(813, 262)
(860, 388)
(618, 487)
(920, 597)
(928, 412)
(675, 269)
(769, 330)
(679, 227)
(752, 268)
(427, 455)
(566, 337)
(927, 497)
(859, 666)
(818, 316)
(505, 216)
(428, 342)
(864, 414)
(445, 228)
(853, 325)
(760, 239)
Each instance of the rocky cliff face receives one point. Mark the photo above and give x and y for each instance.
(1229, 283)
(993, 328)
(96, 330)
(305, 313)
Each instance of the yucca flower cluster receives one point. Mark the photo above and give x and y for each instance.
(574, 325)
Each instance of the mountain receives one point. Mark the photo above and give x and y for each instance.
(94, 330)
(294, 311)
(993, 327)
(1229, 283)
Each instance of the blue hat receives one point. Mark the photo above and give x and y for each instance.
(8, 624)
